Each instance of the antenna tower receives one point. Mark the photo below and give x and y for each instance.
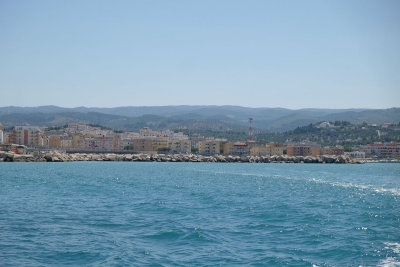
(250, 129)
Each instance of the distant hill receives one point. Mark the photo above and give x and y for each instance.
(220, 118)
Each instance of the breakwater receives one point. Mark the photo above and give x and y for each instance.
(65, 157)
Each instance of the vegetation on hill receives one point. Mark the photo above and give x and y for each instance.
(341, 133)
(337, 133)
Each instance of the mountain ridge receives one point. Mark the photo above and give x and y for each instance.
(212, 117)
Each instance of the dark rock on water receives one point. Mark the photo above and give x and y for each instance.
(64, 157)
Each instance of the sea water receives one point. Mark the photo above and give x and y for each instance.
(183, 214)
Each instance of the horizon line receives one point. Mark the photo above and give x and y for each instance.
(197, 105)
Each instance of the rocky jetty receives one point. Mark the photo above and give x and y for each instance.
(65, 157)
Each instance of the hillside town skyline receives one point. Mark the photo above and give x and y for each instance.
(80, 137)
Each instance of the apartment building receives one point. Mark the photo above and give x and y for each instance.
(379, 150)
(269, 149)
(142, 145)
(259, 150)
(150, 145)
(236, 148)
(146, 132)
(195, 139)
(27, 135)
(303, 150)
(66, 143)
(389, 151)
(6, 137)
(179, 146)
(1, 134)
(209, 147)
(338, 150)
(275, 149)
(77, 128)
(107, 142)
(75, 142)
(367, 149)
(53, 141)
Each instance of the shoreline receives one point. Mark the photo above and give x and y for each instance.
(66, 157)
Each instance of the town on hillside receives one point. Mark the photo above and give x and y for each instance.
(83, 138)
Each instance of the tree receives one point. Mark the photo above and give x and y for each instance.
(128, 147)
(163, 149)
(347, 148)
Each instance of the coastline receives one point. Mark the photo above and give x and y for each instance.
(65, 157)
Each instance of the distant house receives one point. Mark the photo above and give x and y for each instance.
(326, 124)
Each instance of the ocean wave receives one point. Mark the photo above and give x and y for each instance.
(393, 191)
(380, 190)
(392, 260)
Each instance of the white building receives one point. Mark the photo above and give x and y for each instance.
(1, 134)
(356, 154)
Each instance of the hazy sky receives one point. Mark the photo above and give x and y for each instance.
(294, 54)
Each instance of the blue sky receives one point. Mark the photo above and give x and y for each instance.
(293, 54)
